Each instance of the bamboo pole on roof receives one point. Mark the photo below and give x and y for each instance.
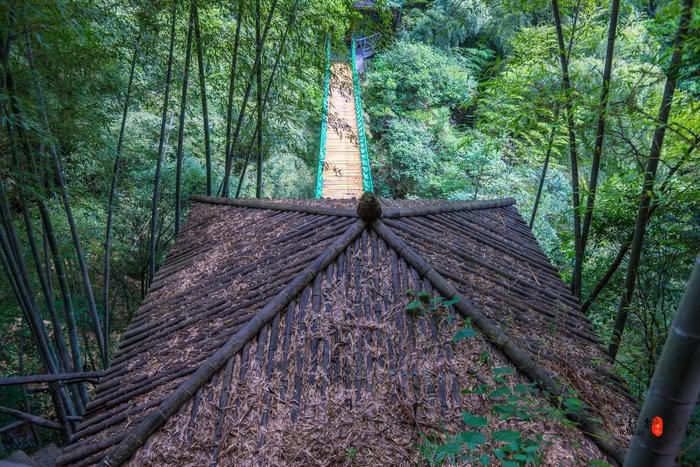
(274, 205)
(447, 207)
(51, 377)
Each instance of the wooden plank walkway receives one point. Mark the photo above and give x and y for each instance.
(342, 169)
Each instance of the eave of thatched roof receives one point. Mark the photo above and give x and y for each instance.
(240, 266)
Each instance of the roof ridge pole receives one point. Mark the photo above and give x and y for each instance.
(535, 372)
(255, 203)
(171, 404)
(454, 206)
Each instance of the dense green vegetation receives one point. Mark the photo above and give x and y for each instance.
(464, 99)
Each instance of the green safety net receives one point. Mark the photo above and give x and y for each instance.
(324, 120)
(367, 183)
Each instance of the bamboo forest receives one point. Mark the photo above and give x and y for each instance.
(349, 232)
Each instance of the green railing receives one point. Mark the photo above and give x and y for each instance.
(324, 120)
(367, 183)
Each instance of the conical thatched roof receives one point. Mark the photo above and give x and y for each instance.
(277, 333)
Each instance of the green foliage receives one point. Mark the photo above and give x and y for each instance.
(482, 445)
(424, 303)
(412, 77)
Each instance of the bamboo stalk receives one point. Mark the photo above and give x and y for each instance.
(136, 437)
(161, 147)
(11, 426)
(674, 388)
(246, 96)
(63, 377)
(19, 279)
(543, 175)
(231, 86)
(27, 417)
(112, 195)
(64, 287)
(259, 103)
(203, 94)
(181, 125)
(267, 93)
(502, 341)
(570, 125)
(63, 360)
(9, 85)
(650, 169)
(58, 168)
(600, 128)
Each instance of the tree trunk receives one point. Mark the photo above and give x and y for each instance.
(58, 167)
(649, 179)
(231, 87)
(675, 385)
(568, 105)
(259, 93)
(203, 93)
(161, 147)
(181, 126)
(25, 398)
(600, 128)
(544, 167)
(110, 203)
(267, 93)
(626, 244)
(65, 291)
(62, 360)
(19, 281)
(246, 96)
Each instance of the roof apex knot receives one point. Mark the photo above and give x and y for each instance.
(369, 209)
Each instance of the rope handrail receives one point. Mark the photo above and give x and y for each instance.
(367, 183)
(324, 121)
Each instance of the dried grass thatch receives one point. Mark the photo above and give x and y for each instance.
(343, 374)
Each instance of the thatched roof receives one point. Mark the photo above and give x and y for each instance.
(277, 332)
